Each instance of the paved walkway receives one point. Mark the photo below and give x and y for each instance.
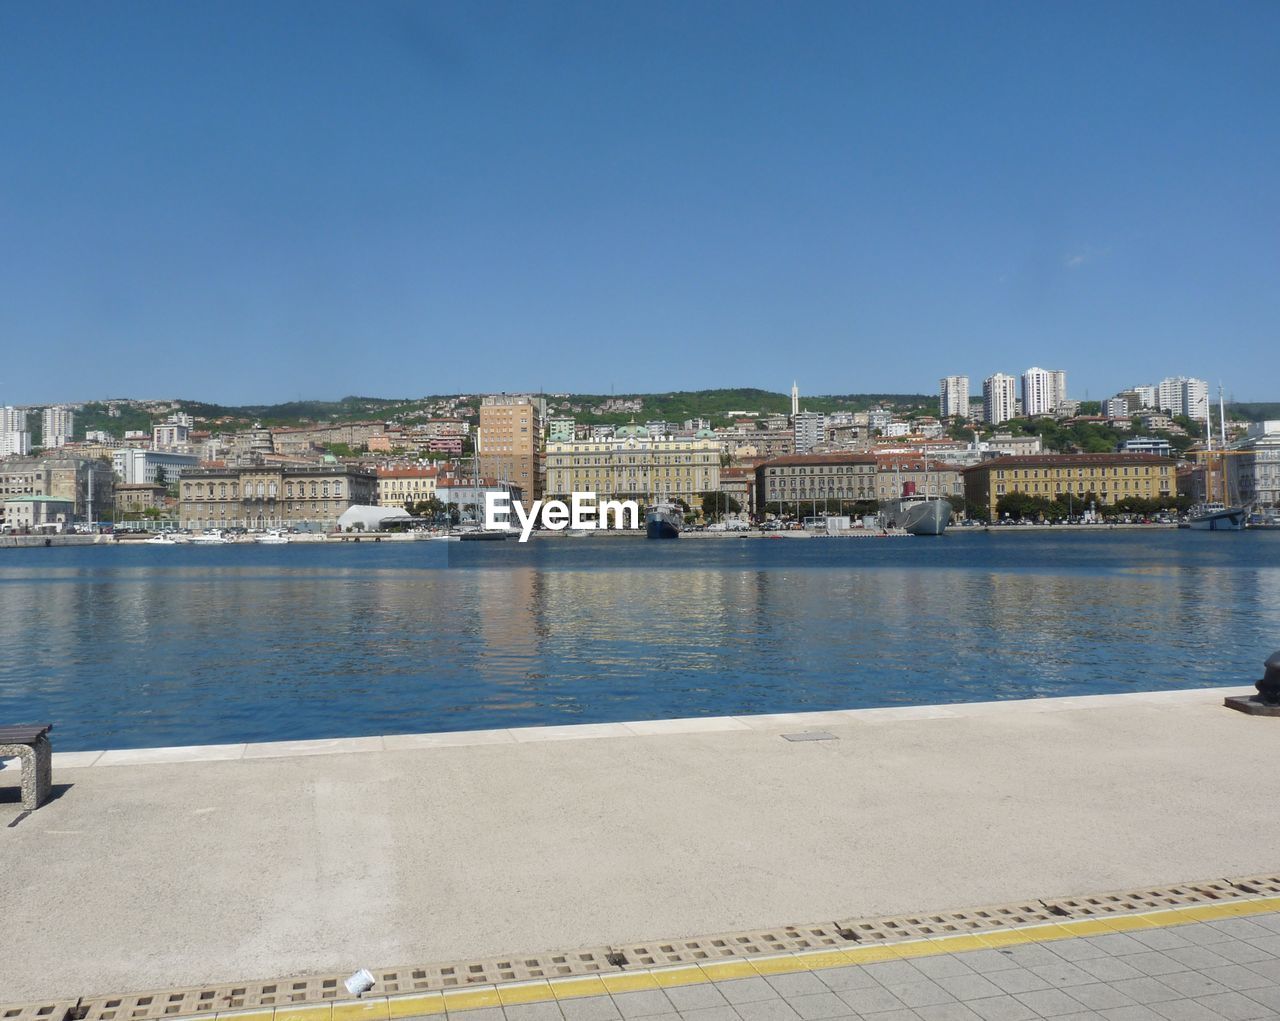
(1204, 971)
(173, 868)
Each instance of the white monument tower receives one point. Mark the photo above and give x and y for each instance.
(795, 399)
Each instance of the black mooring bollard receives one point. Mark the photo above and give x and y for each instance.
(1267, 701)
(1269, 686)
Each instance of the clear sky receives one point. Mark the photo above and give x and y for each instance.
(255, 202)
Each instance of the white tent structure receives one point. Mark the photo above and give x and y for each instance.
(361, 518)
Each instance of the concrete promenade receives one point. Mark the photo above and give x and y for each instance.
(175, 867)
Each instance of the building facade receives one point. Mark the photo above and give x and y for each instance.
(88, 484)
(953, 397)
(308, 498)
(510, 446)
(136, 466)
(1182, 395)
(810, 430)
(1106, 478)
(36, 514)
(57, 426)
(634, 465)
(137, 497)
(400, 486)
(897, 472)
(999, 398)
(812, 478)
(1254, 468)
(1043, 390)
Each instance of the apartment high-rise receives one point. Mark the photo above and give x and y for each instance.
(953, 397)
(810, 430)
(510, 446)
(1183, 395)
(57, 426)
(15, 439)
(1043, 390)
(999, 398)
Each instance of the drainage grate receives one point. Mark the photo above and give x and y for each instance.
(950, 923)
(1129, 902)
(204, 1000)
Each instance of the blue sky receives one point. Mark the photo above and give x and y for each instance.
(253, 202)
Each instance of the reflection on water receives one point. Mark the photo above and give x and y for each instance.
(132, 647)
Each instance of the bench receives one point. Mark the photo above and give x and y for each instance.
(30, 743)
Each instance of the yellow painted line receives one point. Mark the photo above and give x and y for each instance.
(871, 953)
(1046, 933)
(958, 944)
(252, 1014)
(719, 971)
(471, 998)
(362, 1010)
(305, 1012)
(1128, 923)
(816, 960)
(780, 965)
(1169, 916)
(630, 982)
(537, 991)
(583, 985)
(1209, 912)
(1003, 938)
(416, 1005)
(1087, 927)
(915, 948)
(680, 975)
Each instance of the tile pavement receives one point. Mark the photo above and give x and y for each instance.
(1207, 971)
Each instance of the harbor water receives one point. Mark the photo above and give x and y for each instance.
(151, 646)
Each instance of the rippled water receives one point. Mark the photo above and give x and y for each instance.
(149, 646)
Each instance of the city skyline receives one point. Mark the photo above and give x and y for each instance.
(602, 199)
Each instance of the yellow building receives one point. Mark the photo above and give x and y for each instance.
(1106, 478)
(636, 466)
(400, 486)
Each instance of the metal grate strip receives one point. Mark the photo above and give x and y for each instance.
(204, 1000)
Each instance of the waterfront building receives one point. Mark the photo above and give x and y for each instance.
(1106, 478)
(815, 478)
(136, 497)
(36, 513)
(1182, 395)
(953, 397)
(510, 446)
(1255, 467)
(635, 465)
(469, 495)
(561, 429)
(740, 485)
(810, 430)
(86, 483)
(57, 426)
(135, 466)
(305, 497)
(1146, 445)
(928, 478)
(1042, 391)
(400, 486)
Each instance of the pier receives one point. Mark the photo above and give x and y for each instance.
(298, 858)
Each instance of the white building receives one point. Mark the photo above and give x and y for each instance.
(172, 434)
(1182, 395)
(1256, 466)
(1043, 390)
(999, 398)
(810, 428)
(58, 426)
(953, 397)
(15, 440)
(133, 465)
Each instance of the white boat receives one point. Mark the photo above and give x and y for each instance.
(213, 537)
(160, 540)
(446, 537)
(272, 538)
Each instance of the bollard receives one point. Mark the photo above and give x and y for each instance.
(1269, 686)
(1267, 701)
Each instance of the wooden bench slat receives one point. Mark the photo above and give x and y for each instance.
(23, 733)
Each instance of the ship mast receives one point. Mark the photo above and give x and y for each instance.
(1222, 420)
